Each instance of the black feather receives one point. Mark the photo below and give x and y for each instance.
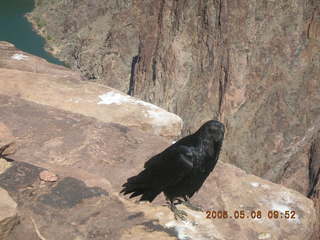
(181, 169)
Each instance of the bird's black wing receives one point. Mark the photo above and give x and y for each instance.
(161, 171)
(171, 165)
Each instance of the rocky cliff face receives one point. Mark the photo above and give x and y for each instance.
(64, 182)
(254, 65)
(61, 179)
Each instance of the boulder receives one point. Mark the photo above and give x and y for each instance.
(8, 214)
(52, 136)
(61, 90)
(283, 210)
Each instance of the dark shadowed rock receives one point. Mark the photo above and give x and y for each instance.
(20, 175)
(69, 192)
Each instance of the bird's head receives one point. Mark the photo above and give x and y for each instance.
(214, 130)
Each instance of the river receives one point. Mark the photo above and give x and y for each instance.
(16, 29)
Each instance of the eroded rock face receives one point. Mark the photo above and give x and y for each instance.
(8, 214)
(92, 159)
(254, 65)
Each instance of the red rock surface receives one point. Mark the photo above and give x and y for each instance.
(252, 64)
(93, 159)
(48, 176)
(58, 87)
(8, 214)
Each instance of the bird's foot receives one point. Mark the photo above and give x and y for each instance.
(178, 214)
(193, 206)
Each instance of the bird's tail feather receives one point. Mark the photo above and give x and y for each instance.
(140, 185)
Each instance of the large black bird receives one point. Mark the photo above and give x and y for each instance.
(180, 170)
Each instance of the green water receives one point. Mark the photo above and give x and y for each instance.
(15, 28)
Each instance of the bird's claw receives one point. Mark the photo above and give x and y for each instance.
(180, 214)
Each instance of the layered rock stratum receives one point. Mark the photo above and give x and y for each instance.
(63, 178)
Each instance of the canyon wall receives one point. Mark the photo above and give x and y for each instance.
(254, 65)
(67, 146)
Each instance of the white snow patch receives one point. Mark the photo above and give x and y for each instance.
(199, 228)
(282, 208)
(159, 116)
(255, 184)
(286, 197)
(182, 228)
(114, 98)
(117, 98)
(19, 56)
(279, 207)
(173, 142)
(264, 236)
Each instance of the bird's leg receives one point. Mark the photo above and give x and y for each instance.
(178, 214)
(3, 153)
(177, 201)
(3, 148)
(192, 206)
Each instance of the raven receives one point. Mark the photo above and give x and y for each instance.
(181, 169)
